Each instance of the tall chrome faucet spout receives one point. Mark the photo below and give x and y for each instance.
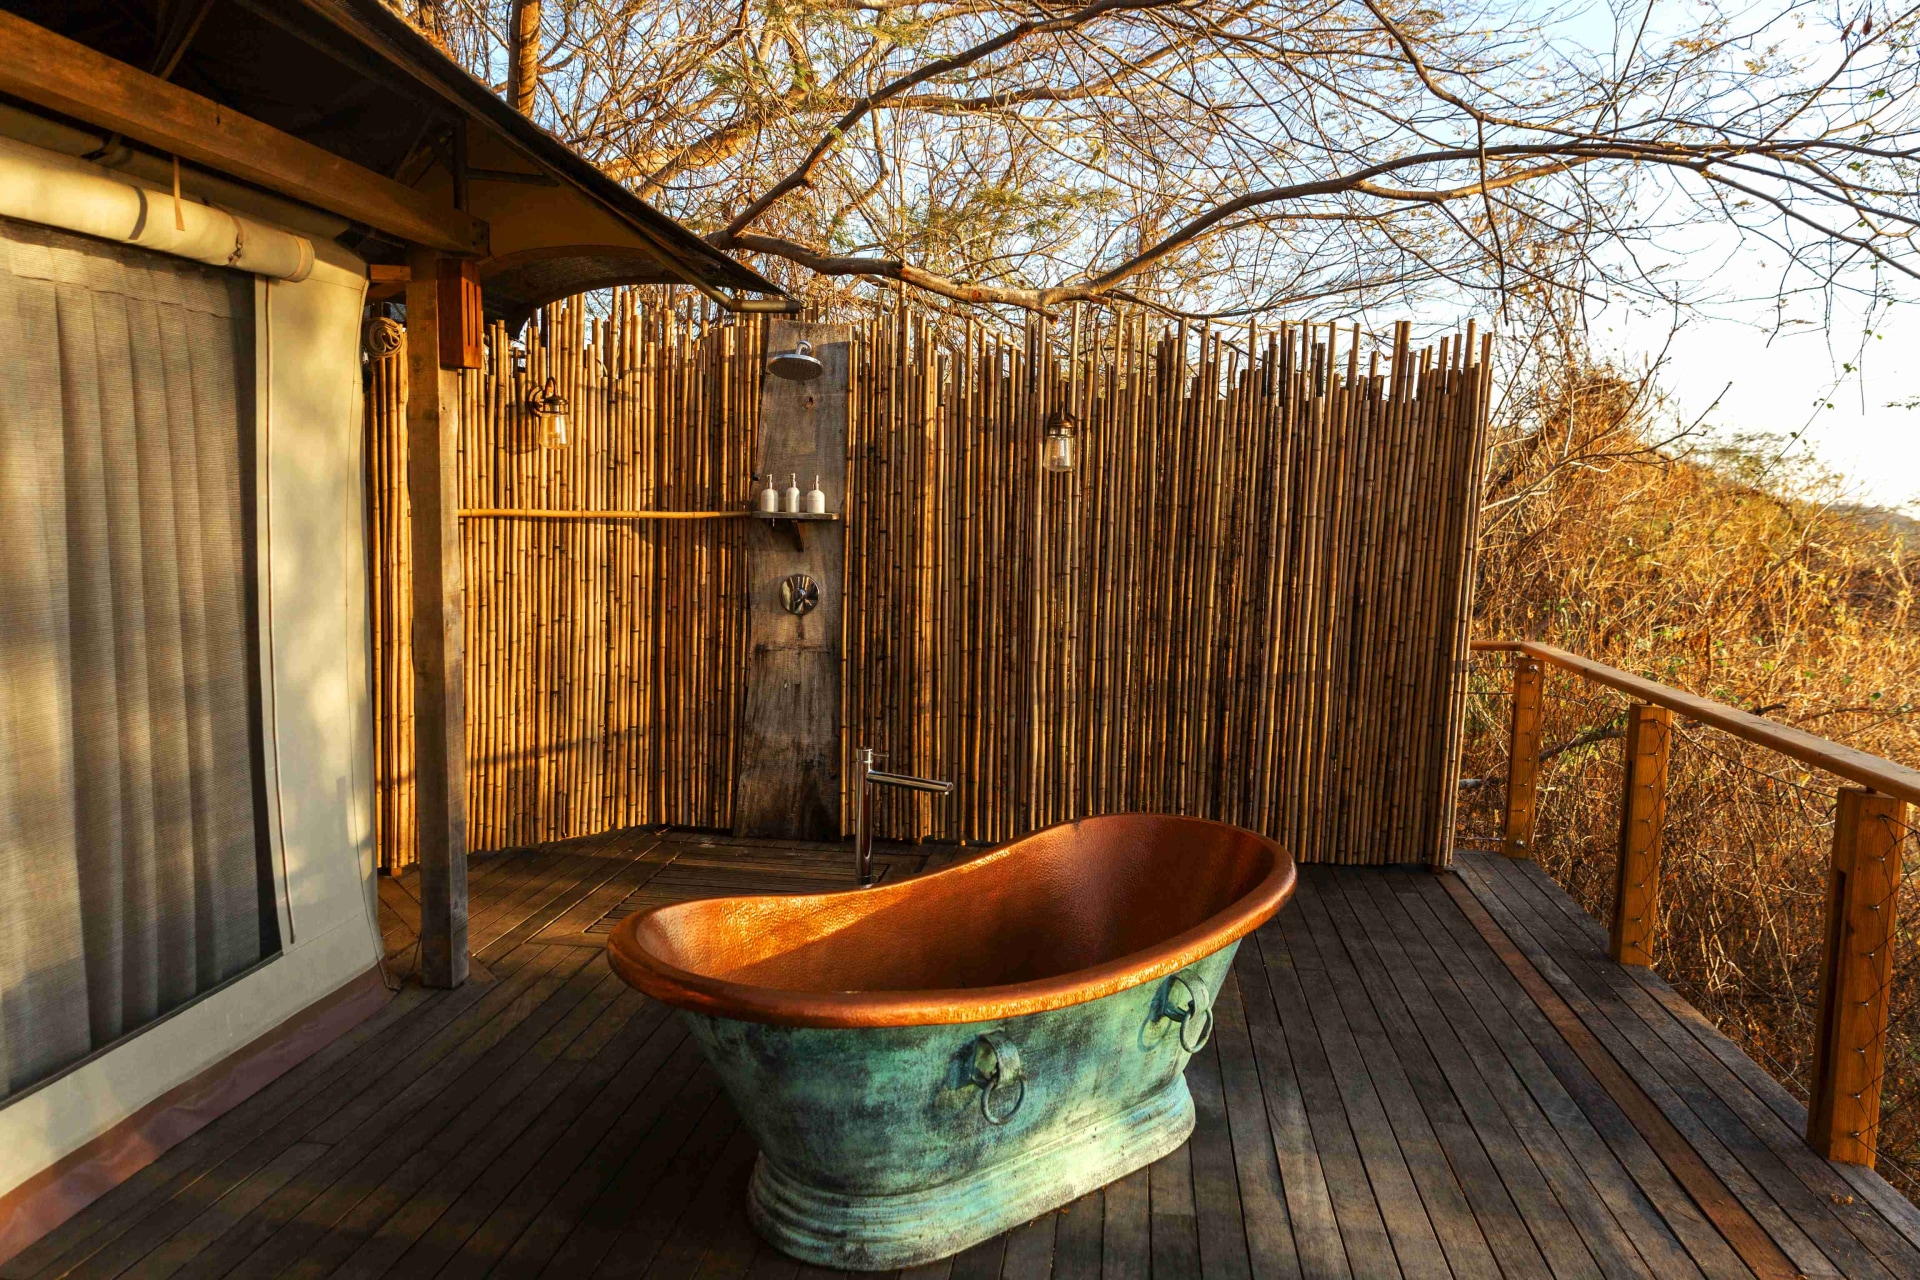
(865, 778)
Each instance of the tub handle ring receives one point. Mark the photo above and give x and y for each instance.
(1198, 1010)
(1005, 1070)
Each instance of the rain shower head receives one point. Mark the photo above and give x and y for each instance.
(797, 365)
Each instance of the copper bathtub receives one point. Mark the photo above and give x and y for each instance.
(928, 1063)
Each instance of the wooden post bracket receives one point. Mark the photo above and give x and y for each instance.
(1643, 812)
(1850, 1044)
(1523, 762)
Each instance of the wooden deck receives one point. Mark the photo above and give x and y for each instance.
(1413, 1075)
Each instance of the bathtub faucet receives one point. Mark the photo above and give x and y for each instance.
(865, 778)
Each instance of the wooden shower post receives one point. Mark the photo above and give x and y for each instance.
(787, 768)
(1523, 763)
(1643, 812)
(1849, 1056)
(439, 636)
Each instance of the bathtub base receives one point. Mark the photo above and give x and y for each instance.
(883, 1232)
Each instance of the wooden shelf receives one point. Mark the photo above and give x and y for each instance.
(793, 520)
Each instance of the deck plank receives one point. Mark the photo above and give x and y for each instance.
(1620, 1227)
(1728, 1149)
(227, 1152)
(1076, 1239)
(579, 1216)
(593, 872)
(1456, 1180)
(479, 1133)
(1363, 1227)
(180, 1174)
(1632, 996)
(982, 1262)
(1219, 1227)
(1390, 1091)
(1263, 1199)
(1540, 1237)
(1381, 1097)
(490, 1216)
(1029, 1254)
(1390, 1171)
(673, 1232)
(294, 1222)
(1127, 1240)
(469, 1187)
(1171, 1227)
(627, 878)
(1309, 1202)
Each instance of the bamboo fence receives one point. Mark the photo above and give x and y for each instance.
(1247, 601)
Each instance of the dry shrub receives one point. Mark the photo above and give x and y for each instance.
(1730, 575)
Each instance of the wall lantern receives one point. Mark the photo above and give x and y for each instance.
(797, 365)
(551, 408)
(1057, 452)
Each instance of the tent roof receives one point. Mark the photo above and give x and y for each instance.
(354, 79)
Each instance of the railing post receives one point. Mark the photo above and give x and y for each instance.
(1643, 812)
(1843, 1116)
(1523, 761)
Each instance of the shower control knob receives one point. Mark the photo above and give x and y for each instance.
(799, 594)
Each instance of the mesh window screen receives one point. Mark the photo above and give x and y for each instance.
(131, 868)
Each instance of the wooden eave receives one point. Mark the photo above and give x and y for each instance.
(358, 90)
(48, 70)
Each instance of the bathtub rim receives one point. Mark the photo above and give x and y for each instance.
(720, 998)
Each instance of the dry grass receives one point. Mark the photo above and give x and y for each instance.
(1697, 572)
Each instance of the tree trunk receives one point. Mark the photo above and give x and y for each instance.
(526, 55)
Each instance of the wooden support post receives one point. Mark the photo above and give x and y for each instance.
(1523, 763)
(1843, 1115)
(439, 639)
(1643, 812)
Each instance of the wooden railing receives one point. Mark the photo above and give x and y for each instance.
(1863, 882)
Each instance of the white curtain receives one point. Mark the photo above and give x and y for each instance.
(130, 867)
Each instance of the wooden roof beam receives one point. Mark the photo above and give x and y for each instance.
(53, 72)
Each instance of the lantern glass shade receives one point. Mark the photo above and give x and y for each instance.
(551, 408)
(1057, 453)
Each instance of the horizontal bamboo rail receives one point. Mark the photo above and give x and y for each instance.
(1843, 1109)
(539, 513)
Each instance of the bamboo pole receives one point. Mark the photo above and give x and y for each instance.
(1248, 600)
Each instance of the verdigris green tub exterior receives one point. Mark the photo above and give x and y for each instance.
(928, 1063)
(880, 1147)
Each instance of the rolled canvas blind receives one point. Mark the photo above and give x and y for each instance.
(131, 875)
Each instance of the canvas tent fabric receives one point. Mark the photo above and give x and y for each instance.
(130, 856)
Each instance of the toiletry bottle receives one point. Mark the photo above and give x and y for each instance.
(793, 494)
(769, 497)
(816, 500)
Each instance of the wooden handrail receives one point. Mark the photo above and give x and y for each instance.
(1885, 776)
(1863, 880)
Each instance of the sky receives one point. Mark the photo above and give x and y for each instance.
(1739, 370)
(1743, 376)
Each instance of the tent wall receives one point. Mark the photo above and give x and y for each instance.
(318, 758)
